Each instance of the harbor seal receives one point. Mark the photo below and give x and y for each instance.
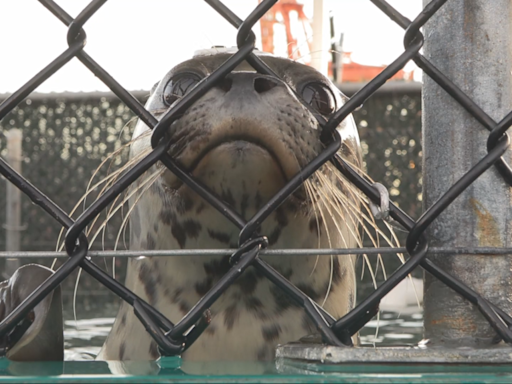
(244, 139)
(43, 340)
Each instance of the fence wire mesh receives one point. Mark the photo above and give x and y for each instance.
(173, 339)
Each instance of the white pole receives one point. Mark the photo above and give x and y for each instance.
(321, 37)
(13, 199)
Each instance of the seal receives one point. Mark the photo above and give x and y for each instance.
(44, 338)
(244, 139)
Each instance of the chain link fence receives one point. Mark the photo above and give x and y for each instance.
(173, 339)
(67, 137)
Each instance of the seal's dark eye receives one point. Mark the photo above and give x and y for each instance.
(320, 97)
(179, 85)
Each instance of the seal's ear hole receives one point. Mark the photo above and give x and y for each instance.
(179, 85)
(263, 84)
(320, 97)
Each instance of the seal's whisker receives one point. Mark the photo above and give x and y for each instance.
(313, 52)
(328, 234)
(356, 236)
(299, 46)
(391, 240)
(373, 225)
(322, 186)
(142, 189)
(112, 212)
(54, 262)
(129, 164)
(112, 175)
(329, 200)
(371, 220)
(324, 199)
(355, 209)
(362, 219)
(108, 180)
(101, 230)
(111, 157)
(336, 200)
(103, 238)
(364, 203)
(75, 292)
(79, 275)
(178, 146)
(297, 161)
(394, 237)
(325, 181)
(317, 208)
(124, 242)
(308, 187)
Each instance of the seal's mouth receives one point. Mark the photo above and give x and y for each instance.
(240, 163)
(240, 144)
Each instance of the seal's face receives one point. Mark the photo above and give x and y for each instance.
(248, 118)
(243, 139)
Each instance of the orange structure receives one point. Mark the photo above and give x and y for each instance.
(282, 11)
(357, 73)
(280, 14)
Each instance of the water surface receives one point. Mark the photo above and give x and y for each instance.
(85, 336)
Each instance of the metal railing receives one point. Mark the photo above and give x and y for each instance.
(170, 337)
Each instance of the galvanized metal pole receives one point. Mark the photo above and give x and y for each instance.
(13, 200)
(469, 41)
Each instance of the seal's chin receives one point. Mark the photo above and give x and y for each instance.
(240, 165)
(236, 168)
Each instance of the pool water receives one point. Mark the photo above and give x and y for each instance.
(84, 337)
(95, 316)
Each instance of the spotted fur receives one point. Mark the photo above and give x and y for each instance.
(243, 145)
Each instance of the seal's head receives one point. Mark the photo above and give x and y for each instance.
(248, 127)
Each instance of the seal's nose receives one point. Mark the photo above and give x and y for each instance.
(244, 82)
(264, 84)
(225, 84)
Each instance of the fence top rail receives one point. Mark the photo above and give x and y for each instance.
(267, 252)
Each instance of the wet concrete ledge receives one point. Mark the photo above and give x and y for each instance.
(318, 353)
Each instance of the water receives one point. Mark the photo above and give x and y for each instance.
(394, 328)
(83, 338)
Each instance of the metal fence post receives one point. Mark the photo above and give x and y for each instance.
(13, 201)
(470, 42)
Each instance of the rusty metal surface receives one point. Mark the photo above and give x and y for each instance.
(477, 57)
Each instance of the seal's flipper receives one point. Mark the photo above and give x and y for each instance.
(44, 339)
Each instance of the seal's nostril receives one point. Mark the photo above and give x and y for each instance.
(262, 84)
(225, 84)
